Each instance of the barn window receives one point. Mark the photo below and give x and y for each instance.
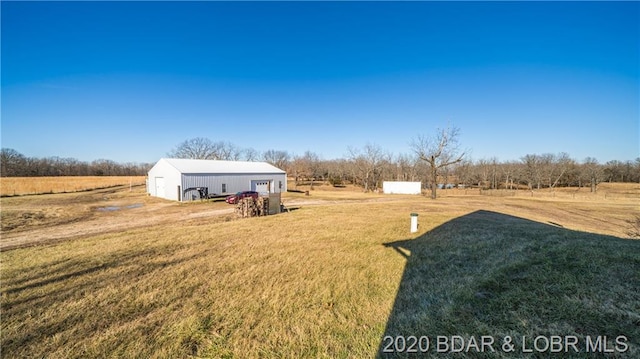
(224, 188)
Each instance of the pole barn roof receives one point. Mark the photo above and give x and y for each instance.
(216, 166)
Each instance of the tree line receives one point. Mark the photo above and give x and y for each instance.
(370, 166)
(435, 161)
(15, 164)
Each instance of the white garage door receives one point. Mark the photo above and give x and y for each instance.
(261, 186)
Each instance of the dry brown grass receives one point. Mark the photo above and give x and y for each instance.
(606, 191)
(16, 186)
(31, 220)
(316, 282)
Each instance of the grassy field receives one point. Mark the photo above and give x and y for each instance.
(16, 186)
(331, 279)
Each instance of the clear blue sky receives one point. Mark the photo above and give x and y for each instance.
(128, 81)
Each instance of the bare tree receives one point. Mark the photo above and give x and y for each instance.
(560, 164)
(229, 152)
(438, 152)
(618, 171)
(508, 171)
(337, 171)
(407, 167)
(197, 148)
(12, 163)
(279, 159)
(493, 173)
(15, 164)
(104, 167)
(483, 169)
(250, 154)
(369, 163)
(305, 167)
(464, 172)
(532, 171)
(592, 171)
(205, 149)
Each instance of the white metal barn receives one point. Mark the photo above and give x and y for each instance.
(178, 179)
(399, 187)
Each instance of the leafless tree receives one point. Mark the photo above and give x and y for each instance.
(104, 167)
(509, 170)
(250, 154)
(619, 171)
(205, 149)
(229, 151)
(12, 163)
(572, 175)
(493, 173)
(15, 164)
(439, 152)
(532, 171)
(369, 163)
(305, 167)
(407, 167)
(197, 148)
(464, 172)
(592, 172)
(339, 171)
(482, 173)
(557, 168)
(277, 158)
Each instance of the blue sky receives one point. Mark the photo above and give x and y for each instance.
(128, 81)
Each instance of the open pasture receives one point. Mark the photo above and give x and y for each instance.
(17, 186)
(606, 191)
(329, 279)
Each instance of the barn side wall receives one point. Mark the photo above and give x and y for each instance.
(233, 183)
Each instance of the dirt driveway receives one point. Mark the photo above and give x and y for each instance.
(31, 220)
(50, 218)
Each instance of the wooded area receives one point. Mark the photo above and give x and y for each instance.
(15, 164)
(436, 161)
(366, 167)
(533, 171)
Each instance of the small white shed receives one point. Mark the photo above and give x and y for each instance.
(178, 179)
(399, 187)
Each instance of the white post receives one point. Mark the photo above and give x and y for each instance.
(414, 222)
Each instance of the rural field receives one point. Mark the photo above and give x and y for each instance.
(112, 272)
(16, 186)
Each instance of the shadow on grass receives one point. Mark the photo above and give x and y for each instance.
(495, 275)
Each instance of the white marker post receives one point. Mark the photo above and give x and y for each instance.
(414, 222)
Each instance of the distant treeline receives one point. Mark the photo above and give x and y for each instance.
(536, 171)
(366, 167)
(370, 166)
(15, 164)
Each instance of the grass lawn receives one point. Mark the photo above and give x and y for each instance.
(327, 281)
